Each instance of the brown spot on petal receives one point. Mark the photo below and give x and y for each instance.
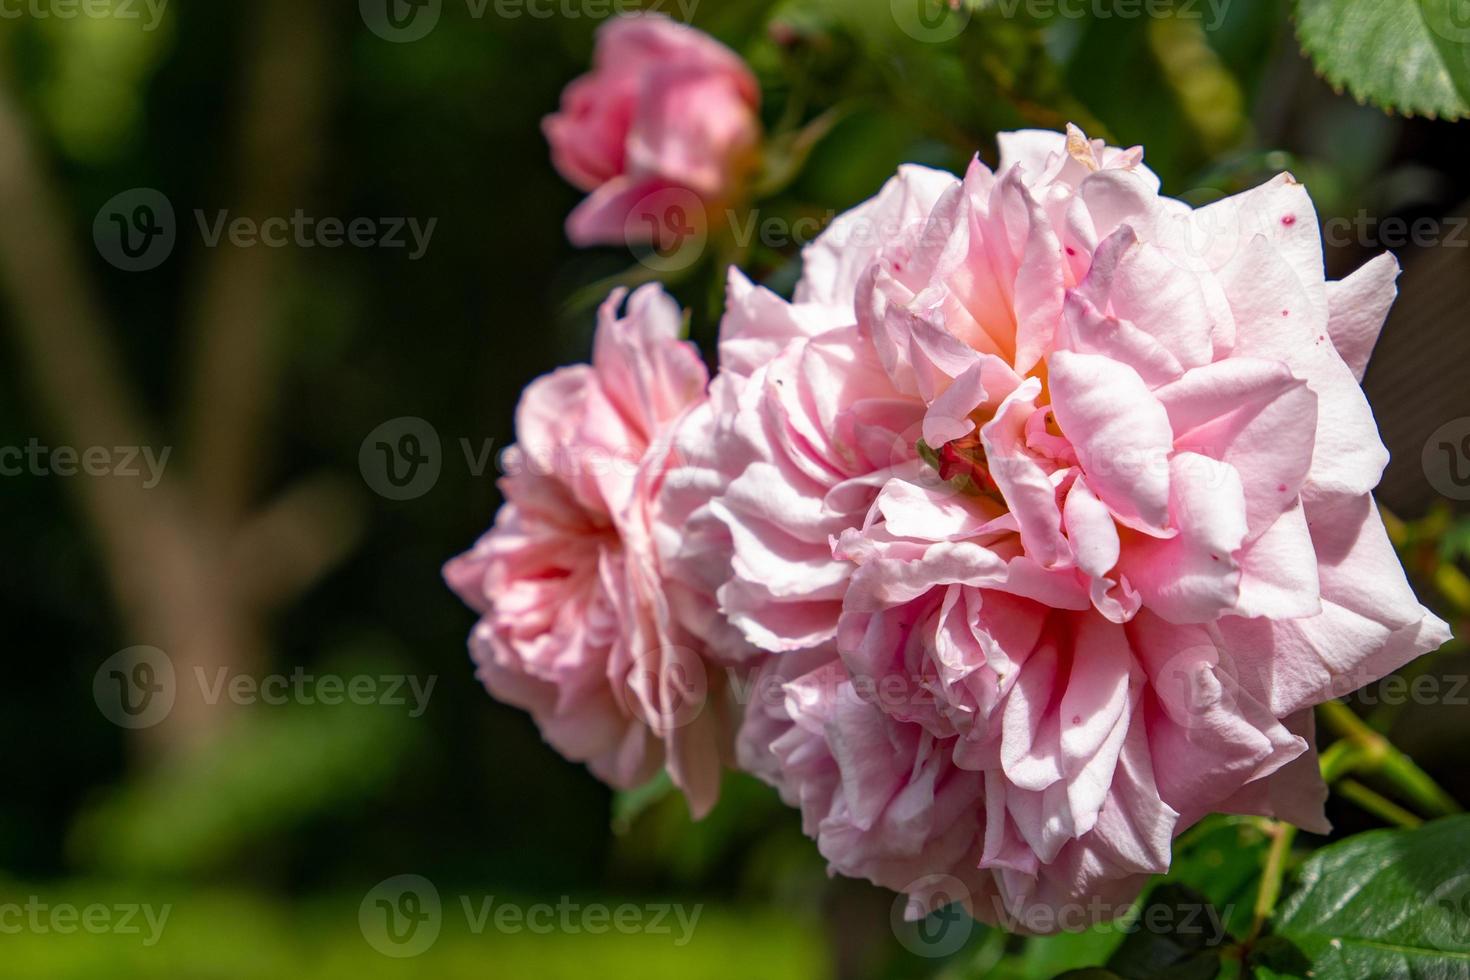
(1079, 148)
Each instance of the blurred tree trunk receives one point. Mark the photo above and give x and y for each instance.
(193, 569)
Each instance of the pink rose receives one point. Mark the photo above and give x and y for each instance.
(577, 621)
(666, 114)
(1054, 495)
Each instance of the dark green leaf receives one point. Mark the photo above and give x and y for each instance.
(1277, 956)
(1388, 903)
(1176, 937)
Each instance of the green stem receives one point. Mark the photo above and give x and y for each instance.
(1339, 759)
(1378, 805)
(1282, 835)
(1378, 756)
(594, 293)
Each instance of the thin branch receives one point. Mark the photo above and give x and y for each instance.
(288, 545)
(1377, 804)
(1381, 757)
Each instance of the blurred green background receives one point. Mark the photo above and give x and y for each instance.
(264, 549)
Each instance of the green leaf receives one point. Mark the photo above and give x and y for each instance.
(1068, 953)
(1412, 56)
(1277, 957)
(1388, 903)
(1176, 937)
(1221, 858)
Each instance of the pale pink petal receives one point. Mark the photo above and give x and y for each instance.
(1277, 319)
(1278, 571)
(1022, 480)
(758, 324)
(1193, 577)
(1370, 624)
(1121, 434)
(834, 262)
(622, 211)
(1255, 415)
(1357, 307)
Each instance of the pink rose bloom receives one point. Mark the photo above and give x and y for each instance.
(1054, 495)
(576, 624)
(665, 108)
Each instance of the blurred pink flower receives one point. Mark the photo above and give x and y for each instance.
(1053, 495)
(575, 625)
(666, 113)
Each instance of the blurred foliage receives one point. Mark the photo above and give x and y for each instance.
(234, 935)
(270, 771)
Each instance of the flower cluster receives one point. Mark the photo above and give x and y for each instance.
(1043, 507)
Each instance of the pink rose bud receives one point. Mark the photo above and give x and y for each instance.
(666, 116)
